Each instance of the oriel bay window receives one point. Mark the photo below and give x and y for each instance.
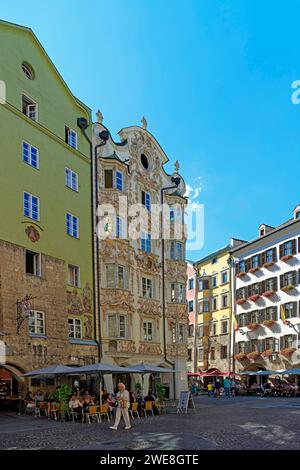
(177, 293)
(36, 323)
(75, 329)
(117, 326)
(116, 276)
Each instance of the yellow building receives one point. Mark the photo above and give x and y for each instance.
(213, 335)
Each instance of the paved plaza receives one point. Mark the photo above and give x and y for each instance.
(239, 423)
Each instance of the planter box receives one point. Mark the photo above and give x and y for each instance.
(253, 326)
(268, 293)
(254, 298)
(253, 270)
(241, 274)
(269, 323)
(287, 288)
(268, 265)
(241, 301)
(287, 352)
(286, 258)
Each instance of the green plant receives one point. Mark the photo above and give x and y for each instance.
(160, 392)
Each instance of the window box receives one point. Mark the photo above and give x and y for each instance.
(253, 326)
(286, 258)
(241, 301)
(287, 352)
(268, 352)
(252, 356)
(269, 323)
(268, 265)
(268, 293)
(241, 274)
(254, 297)
(287, 288)
(253, 270)
(240, 357)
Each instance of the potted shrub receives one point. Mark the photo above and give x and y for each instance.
(267, 353)
(268, 293)
(253, 355)
(253, 326)
(287, 352)
(240, 357)
(269, 323)
(254, 297)
(287, 288)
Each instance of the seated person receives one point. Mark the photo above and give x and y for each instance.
(75, 404)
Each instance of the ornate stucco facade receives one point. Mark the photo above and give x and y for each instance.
(136, 325)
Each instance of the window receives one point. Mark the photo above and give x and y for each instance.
(119, 227)
(224, 300)
(214, 303)
(224, 277)
(29, 108)
(74, 275)
(71, 137)
(116, 276)
(146, 242)
(214, 260)
(191, 306)
(191, 284)
(181, 333)
(224, 327)
(31, 206)
(146, 202)
(212, 354)
(33, 263)
(223, 352)
(72, 225)
(119, 180)
(36, 323)
(177, 293)
(147, 288)
(176, 251)
(28, 71)
(214, 281)
(30, 155)
(75, 330)
(117, 326)
(71, 179)
(290, 310)
(108, 179)
(148, 331)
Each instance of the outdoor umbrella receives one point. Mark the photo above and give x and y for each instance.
(49, 371)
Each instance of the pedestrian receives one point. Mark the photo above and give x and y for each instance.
(227, 386)
(210, 389)
(123, 403)
(217, 388)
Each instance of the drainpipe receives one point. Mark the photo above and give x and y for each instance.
(176, 181)
(104, 136)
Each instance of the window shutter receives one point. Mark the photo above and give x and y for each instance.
(281, 248)
(281, 281)
(294, 250)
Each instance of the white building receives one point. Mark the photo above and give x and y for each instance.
(267, 292)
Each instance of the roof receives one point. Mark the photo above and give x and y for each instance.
(30, 31)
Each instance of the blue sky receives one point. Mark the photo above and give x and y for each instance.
(213, 79)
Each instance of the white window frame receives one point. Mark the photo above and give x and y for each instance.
(70, 175)
(33, 315)
(29, 162)
(73, 275)
(30, 216)
(72, 232)
(72, 323)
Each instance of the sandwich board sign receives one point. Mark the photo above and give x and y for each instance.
(185, 401)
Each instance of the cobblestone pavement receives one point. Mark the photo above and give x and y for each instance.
(239, 423)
